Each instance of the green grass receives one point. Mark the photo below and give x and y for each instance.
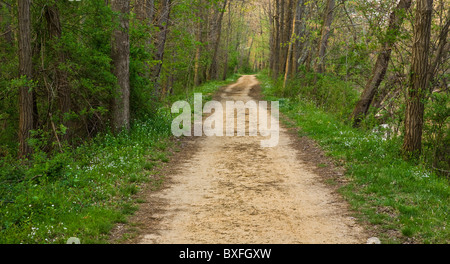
(402, 201)
(84, 192)
(81, 192)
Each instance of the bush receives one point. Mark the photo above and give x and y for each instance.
(328, 92)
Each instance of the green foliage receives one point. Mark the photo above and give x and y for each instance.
(326, 91)
(385, 190)
(75, 193)
(436, 134)
(82, 192)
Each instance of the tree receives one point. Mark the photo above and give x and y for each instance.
(120, 54)
(276, 39)
(382, 62)
(213, 68)
(292, 57)
(298, 33)
(441, 51)
(418, 85)
(227, 45)
(26, 119)
(161, 37)
(60, 76)
(326, 28)
(200, 38)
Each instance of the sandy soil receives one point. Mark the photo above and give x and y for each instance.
(230, 190)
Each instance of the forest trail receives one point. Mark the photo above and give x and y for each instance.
(230, 190)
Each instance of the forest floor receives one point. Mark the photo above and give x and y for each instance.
(227, 190)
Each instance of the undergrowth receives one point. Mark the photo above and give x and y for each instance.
(402, 201)
(83, 192)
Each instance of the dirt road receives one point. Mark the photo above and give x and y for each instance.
(230, 190)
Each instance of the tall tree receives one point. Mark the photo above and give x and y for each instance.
(441, 51)
(291, 63)
(144, 13)
(213, 68)
(227, 46)
(298, 33)
(60, 76)
(326, 29)
(201, 36)
(417, 90)
(120, 54)
(276, 40)
(381, 65)
(26, 119)
(160, 42)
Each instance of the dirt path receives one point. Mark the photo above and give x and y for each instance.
(230, 190)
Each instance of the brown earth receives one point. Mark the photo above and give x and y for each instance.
(227, 190)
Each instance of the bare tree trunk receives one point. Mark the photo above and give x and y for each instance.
(121, 66)
(326, 28)
(287, 33)
(262, 58)
(271, 38)
(277, 39)
(290, 56)
(200, 39)
(161, 42)
(25, 70)
(225, 67)
(310, 43)
(412, 144)
(213, 69)
(298, 32)
(282, 39)
(382, 63)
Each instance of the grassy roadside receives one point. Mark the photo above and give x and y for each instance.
(84, 192)
(403, 202)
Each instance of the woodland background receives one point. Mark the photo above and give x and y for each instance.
(77, 77)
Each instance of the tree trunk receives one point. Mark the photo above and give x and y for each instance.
(144, 13)
(60, 76)
(381, 65)
(271, 38)
(326, 28)
(121, 66)
(294, 37)
(213, 69)
(144, 10)
(25, 70)
(225, 67)
(282, 39)
(149, 7)
(161, 42)
(276, 50)
(298, 31)
(442, 50)
(287, 33)
(200, 38)
(412, 144)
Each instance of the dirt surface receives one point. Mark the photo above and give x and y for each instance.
(231, 190)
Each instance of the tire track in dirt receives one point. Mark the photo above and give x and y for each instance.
(230, 190)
